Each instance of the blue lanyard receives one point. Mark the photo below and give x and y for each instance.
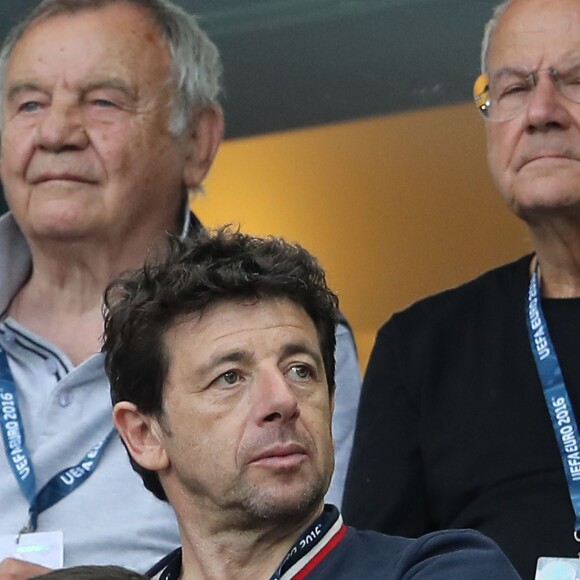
(556, 395)
(64, 482)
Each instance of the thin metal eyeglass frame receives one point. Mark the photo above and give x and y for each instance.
(482, 100)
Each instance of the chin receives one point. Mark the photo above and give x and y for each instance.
(60, 231)
(285, 501)
(285, 509)
(544, 197)
(533, 211)
(59, 223)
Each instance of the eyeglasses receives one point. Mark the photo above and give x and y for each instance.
(505, 94)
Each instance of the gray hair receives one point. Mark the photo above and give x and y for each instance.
(195, 59)
(489, 30)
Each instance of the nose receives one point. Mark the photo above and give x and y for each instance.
(547, 109)
(61, 128)
(273, 398)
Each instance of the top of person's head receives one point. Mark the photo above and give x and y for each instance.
(197, 274)
(93, 573)
(195, 59)
(488, 31)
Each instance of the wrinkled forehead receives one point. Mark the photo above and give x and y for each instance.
(117, 38)
(534, 34)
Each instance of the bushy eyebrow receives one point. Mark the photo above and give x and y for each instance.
(110, 83)
(247, 357)
(94, 85)
(234, 356)
(507, 71)
(295, 348)
(566, 66)
(22, 87)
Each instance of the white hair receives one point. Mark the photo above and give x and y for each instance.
(489, 30)
(195, 59)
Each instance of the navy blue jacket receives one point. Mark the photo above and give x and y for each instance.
(330, 550)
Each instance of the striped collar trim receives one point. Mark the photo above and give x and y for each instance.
(320, 548)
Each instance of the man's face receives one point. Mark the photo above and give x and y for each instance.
(535, 157)
(246, 415)
(85, 145)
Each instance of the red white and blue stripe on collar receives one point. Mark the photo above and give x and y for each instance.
(312, 546)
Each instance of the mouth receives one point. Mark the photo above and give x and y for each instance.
(545, 158)
(280, 457)
(62, 177)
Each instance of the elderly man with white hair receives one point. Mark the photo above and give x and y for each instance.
(468, 408)
(109, 118)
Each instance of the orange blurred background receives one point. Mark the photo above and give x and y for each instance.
(395, 207)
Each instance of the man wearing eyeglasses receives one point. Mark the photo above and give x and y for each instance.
(469, 406)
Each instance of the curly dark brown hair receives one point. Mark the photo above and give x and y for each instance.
(196, 274)
(92, 573)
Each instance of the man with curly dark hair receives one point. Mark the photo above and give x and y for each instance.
(221, 365)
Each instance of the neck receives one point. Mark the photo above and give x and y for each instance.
(62, 300)
(234, 552)
(558, 254)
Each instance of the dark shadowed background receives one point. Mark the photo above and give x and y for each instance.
(295, 63)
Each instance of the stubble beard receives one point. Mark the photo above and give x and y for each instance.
(260, 503)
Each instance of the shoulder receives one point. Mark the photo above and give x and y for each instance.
(495, 289)
(450, 553)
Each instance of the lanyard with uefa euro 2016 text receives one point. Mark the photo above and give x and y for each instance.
(60, 485)
(555, 394)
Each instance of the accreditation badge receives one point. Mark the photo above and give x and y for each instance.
(43, 548)
(558, 569)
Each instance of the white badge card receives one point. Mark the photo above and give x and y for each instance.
(558, 569)
(44, 548)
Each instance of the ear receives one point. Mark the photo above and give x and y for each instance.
(142, 435)
(204, 140)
